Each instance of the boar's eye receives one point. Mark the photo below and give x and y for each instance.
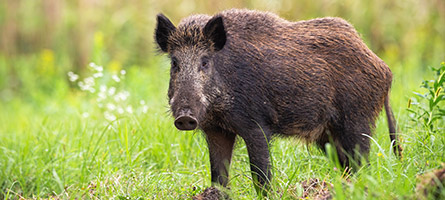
(204, 64)
(174, 64)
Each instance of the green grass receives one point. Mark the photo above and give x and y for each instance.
(50, 149)
(55, 141)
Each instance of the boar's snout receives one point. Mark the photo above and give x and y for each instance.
(186, 122)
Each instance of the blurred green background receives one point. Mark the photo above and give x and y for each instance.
(66, 35)
(51, 131)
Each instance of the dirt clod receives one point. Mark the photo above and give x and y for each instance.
(211, 193)
(431, 185)
(316, 189)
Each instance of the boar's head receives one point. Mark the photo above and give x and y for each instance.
(194, 81)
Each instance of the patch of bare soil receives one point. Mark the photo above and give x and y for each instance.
(316, 189)
(211, 193)
(431, 185)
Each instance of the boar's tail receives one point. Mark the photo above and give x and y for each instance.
(392, 129)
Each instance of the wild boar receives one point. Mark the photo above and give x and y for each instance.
(256, 75)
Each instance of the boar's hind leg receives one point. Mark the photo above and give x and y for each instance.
(352, 144)
(220, 144)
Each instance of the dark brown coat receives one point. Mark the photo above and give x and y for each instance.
(253, 74)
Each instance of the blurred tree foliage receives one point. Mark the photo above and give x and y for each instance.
(120, 33)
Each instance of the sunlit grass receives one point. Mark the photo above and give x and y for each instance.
(52, 149)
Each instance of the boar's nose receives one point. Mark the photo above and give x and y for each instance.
(186, 123)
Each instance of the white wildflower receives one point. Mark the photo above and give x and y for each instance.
(111, 106)
(120, 110)
(72, 76)
(98, 74)
(89, 81)
(111, 91)
(83, 86)
(116, 78)
(103, 88)
(87, 84)
(109, 116)
(118, 97)
(102, 93)
(99, 68)
(129, 109)
(121, 96)
(101, 96)
(144, 109)
(96, 67)
(85, 115)
(112, 101)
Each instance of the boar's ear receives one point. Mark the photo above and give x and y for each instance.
(164, 28)
(214, 30)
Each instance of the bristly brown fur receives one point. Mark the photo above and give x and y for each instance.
(255, 75)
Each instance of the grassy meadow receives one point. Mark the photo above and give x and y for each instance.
(84, 113)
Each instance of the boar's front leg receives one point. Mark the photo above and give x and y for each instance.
(257, 142)
(220, 144)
